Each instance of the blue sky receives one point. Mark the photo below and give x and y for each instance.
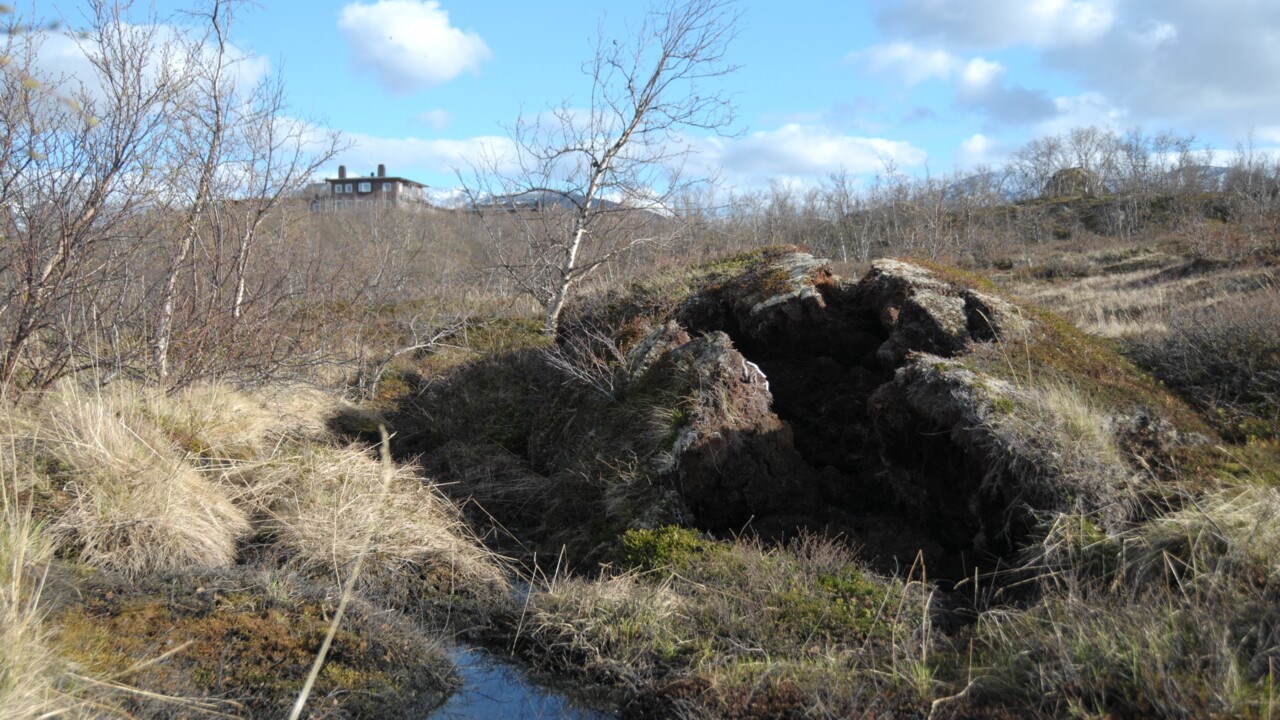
(927, 85)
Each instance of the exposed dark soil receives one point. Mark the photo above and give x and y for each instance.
(823, 366)
(799, 423)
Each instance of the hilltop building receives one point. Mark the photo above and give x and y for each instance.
(347, 192)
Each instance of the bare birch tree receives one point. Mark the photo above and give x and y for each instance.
(204, 114)
(76, 174)
(133, 201)
(237, 158)
(592, 183)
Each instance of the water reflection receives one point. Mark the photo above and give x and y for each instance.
(494, 689)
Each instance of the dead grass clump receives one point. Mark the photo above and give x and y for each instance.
(331, 500)
(1231, 537)
(622, 628)
(211, 421)
(1174, 617)
(1046, 447)
(1083, 431)
(300, 412)
(125, 498)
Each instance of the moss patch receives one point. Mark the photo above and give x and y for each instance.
(249, 640)
(665, 547)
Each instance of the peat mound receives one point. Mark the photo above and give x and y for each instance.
(912, 410)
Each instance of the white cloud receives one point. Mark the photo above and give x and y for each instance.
(803, 153)
(409, 44)
(1268, 134)
(978, 74)
(804, 150)
(1186, 62)
(434, 119)
(978, 149)
(909, 62)
(991, 24)
(981, 85)
(979, 82)
(1154, 34)
(64, 57)
(1203, 66)
(401, 155)
(1083, 110)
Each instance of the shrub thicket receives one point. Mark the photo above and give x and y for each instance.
(1226, 360)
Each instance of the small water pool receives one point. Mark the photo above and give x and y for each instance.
(492, 688)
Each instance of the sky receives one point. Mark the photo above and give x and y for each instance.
(918, 86)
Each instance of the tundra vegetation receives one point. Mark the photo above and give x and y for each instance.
(1029, 468)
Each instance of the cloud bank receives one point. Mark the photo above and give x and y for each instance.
(1186, 63)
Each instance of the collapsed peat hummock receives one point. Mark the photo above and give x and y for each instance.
(911, 411)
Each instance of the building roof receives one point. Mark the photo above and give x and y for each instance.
(379, 178)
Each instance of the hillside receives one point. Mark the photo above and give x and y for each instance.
(891, 488)
(744, 488)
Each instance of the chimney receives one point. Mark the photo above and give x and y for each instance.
(342, 172)
(382, 170)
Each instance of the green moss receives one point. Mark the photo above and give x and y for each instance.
(492, 336)
(1253, 462)
(653, 300)
(661, 548)
(358, 424)
(1057, 349)
(741, 615)
(839, 605)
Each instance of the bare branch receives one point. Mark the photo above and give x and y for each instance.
(588, 184)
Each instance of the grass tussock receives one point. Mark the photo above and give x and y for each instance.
(1173, 617)
(115, 489)
(124, 497)
(1154, 655)
(1064, 436)
(210, 421)
(134, 480)
(1229, 538)
(334, 499)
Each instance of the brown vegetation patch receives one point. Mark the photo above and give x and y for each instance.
(243, 643)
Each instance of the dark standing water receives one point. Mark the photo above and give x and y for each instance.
(492, 688)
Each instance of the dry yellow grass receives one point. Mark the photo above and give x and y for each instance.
(1084, 430)
(28, 669)
(209, 420)
(1113, 306)
(1230, 536)
(1137, 303)
(126, 498)
(135, 480)
(330, 499)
